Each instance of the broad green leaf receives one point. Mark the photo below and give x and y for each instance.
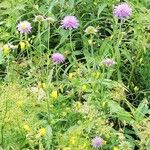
(116, 109)
(141, 110)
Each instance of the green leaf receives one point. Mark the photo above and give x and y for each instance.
(100, 9)
(48, 136)
(122, 115)
(1, 56)
(141, 110)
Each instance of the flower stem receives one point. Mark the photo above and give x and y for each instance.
(39, 37)
(71, 45)
(118, 54)
(49, 27)
(92, 49)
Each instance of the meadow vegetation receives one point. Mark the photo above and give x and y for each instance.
(74, 75)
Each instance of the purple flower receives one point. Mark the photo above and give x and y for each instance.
(70, 22)
(24, 27)
(97, 142)
(58, 58)
(108, 62)
(122, 11)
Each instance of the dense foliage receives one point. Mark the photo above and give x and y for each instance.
(74, 74)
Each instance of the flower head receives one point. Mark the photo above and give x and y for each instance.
(115, 148)
(39, 18)
(54, 94)
(6, 49)
(122, 11)
(108, 62)
(58, 58)
(97, 142)
(26, 127)
(50, 19)
(125, 145)
(70, 22)
(42, 131)
(90, 30)
(24, 27)
(22, 45)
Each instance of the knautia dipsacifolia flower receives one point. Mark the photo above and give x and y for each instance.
(122, 11)
(50, 19)
(97, 142)
(58, 58)
(108, 62)
(24, 27)
(70, 22)
(39, 18)
(90, 30)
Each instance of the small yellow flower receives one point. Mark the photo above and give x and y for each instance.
(104, 142)
(42, 131)
(98, 75)
(54, 94)
(26, 128)
(72, 140)
(70, 76)
(19, 103)
(77, 105)
(22, 45)
(39, 85)
(115, 148)
(44, 86)
(6, 49)
(84, 87)
(90, 30)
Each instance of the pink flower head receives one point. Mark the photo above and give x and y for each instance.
(108, 62)
(97, 142)
(58, 58)
(122, 11)
(70, 22)
(24, 27)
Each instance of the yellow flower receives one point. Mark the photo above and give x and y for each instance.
(84, 88)
(22, 45)
(72, 140)
(90, 30)
(19, 103)
(70, 76)
(115, 148)
(98, 75)
(42, 131)
(78, 105)
(54, 94)
(27, 128)
(39, 85)
(6, 49)
(44, 86)
(104, 142)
